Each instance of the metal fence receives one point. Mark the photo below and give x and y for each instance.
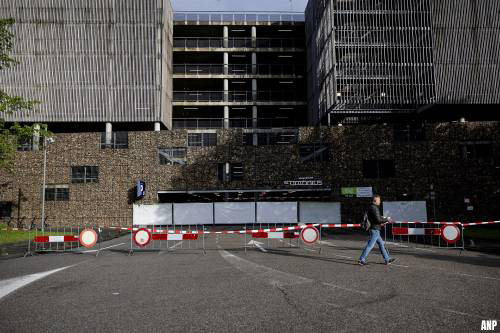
(232, 17)
(237, 42)
(447, 235)
(237, 96)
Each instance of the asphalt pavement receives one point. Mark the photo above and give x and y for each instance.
(269, 287)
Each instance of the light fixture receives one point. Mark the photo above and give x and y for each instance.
(285, 56)
(382, 94)
(190, 108)
(238, 82)
(286, 108)
(238, 56)
(285, 30)
(286, 82)
(339, 94)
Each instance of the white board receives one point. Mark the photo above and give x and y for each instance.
(277, 212)
(319, 212)
(193, 213)
(413, 211)
(234, 212)
(159, 214)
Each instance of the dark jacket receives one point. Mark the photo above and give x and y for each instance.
(375, 218)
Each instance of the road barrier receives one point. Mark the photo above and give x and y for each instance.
(448, 235)
(152, 238)
(65, 239)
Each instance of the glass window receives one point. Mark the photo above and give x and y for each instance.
(5, 209)
(56, 193)
(202, 139)
(476, 150)
(84, 174)
(316, 153)
(172, 156)
(119, 140)
(378, 168)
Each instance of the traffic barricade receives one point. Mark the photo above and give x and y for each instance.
(271, 236)
(154, 238)
(64, 239)
(446, 235)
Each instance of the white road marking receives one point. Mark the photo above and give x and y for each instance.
(422, 249)
(171, 247)
(346, 289)
(462, 313)
(396, 244)
(399, 265)
(340, 256)
(258, 244)
(104, 248)
(477, 276)
(354, 311)
(10, 285)
(311, 250)
(327, 243)
(269, 275)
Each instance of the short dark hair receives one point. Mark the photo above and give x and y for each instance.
(376, 196)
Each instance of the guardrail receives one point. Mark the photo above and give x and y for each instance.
(194, 123)
(237, 42)
(236, 96)
(231, 17)
(239, 69)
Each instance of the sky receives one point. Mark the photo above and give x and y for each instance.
(239, 5)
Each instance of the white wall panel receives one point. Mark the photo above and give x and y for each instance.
(193, 213)
(160, 214)
(406, 210)
(319, 212)
(234, 212)
(276, 212)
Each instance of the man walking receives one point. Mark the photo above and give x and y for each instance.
(376, 222)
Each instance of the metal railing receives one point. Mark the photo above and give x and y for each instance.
(213, 123)
(237, 42)
(232, 17)
(237, 96)
(239, 69)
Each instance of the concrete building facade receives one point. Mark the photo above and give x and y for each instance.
(381, 59)
(239, 70)
(91, 61)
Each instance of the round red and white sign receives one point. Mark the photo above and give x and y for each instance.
(450, 233)
(309, 235)
(142, 237)
(88, 238)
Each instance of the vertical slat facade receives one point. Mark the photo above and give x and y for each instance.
(91, 60)
(390, 56)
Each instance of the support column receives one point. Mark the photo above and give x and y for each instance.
(109, 133)
(254, 63)
(226, 90)
(157, 127)
(226, 63)
(226, 117)
(254, 36)
(254, 90)
(36, 137)
(226, 37)
(254, 116)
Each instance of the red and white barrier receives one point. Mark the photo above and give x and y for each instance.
(480, 223)
(274, 235)
(402, 231)
(56, 239)
(175, 237)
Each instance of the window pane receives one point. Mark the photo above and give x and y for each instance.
(62, 194)
(370, 169)
(50, 194)
(194, 140)
(77, 174)
(386, 169)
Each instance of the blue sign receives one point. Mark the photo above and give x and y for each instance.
(140, 189)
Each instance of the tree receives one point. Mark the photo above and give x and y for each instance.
(10, 104)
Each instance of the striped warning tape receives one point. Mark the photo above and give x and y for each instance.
(55, 239)
(245, 231)
(480, 223)
(427, 222)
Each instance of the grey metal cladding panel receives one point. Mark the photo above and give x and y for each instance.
(90, 60)
(466, 37)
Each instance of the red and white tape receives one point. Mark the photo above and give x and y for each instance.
(480, 223)
(245, 231)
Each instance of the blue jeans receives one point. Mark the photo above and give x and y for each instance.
(374, 238)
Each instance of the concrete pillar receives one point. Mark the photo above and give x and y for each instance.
(226, 63)
(36, 137)
(254, 116)
(226, 90)
(226, 117)
(254, 90)
(109, 133)
(254, 63)
(157, 126)
(226, 36)
(254, 36)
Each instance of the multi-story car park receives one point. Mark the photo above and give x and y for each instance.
(237, 127)
(386, 60)
(239, 70)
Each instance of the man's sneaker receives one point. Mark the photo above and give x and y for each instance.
(390, 261)
(361, 263)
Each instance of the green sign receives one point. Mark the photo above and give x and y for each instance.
(348, 191)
